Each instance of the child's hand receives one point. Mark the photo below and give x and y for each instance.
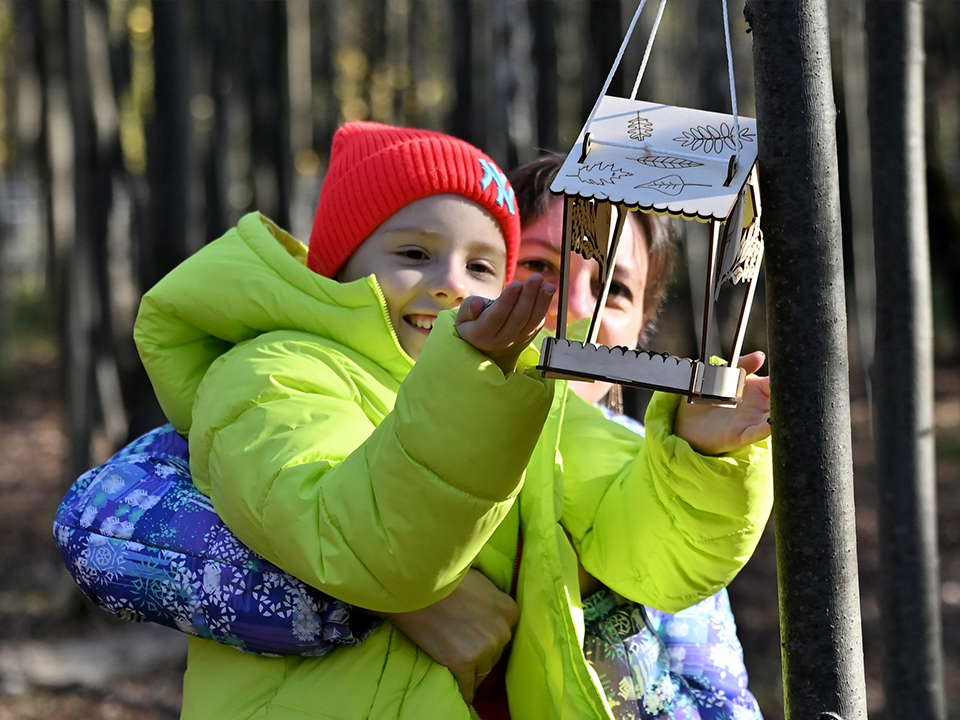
(714, 430)
(465, 632)
(501, 329)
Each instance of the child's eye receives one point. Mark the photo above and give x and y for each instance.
(481, 267)
(413, 253)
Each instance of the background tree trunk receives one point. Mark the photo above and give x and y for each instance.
(167, 240)
(903, 383)
(81, 298)
(462, 124)
(543, 19)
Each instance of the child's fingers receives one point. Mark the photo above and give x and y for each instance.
(500, 317)
(539, 310)
(516, 322)
(499, 312)
(472, 308)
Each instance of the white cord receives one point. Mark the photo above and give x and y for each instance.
(646, 53)
(646, 57)
(616, 64)
(733, 85)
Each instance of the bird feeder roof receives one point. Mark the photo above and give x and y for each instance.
(660, 158)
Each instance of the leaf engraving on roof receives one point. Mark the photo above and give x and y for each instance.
(639, 128)
(671, 185)
(667, 162)
(710, 139)
(600, 174)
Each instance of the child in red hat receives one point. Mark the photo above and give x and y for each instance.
(393, 485)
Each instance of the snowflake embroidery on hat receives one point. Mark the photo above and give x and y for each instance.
(492, 174)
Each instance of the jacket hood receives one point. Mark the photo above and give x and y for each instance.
(251, 281)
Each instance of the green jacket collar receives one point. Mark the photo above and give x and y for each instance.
(252, 281)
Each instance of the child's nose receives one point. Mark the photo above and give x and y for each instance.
(450, 285)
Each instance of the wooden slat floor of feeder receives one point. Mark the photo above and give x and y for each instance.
(573, 360)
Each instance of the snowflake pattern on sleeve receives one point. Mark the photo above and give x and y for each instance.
(144, 544)
(654, 665)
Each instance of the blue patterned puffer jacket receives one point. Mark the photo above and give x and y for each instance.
(144, 544)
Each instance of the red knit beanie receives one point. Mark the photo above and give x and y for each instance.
(377, 169)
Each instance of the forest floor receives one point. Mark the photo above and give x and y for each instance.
(62, 659)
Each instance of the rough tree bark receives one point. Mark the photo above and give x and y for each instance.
(810, 407)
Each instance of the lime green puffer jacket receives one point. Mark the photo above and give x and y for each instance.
(327, 451)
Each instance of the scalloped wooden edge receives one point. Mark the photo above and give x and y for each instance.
(572, 360)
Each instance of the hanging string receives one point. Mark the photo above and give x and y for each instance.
(646, 53)
(733, 86)
(646, 57)
(616, 64)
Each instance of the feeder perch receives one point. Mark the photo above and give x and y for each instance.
(635, 156)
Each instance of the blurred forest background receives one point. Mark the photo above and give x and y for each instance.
(133, 132)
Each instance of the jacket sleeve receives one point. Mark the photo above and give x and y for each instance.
(651, 518)
(287, 441)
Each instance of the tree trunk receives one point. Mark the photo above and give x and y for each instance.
(500, 87)
(858, 181)
(167, 240)
(101, 174)
(813, 469)
(605, 34)
(169, 151)
(80, 310)
(461, 120)
(213, 22)
(903, 384)
(522, 100)
(543, 14)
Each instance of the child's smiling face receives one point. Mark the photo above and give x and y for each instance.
(427, 257)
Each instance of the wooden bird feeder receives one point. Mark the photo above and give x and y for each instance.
(634, 156)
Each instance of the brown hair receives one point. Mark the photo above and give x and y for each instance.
(531, 183)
